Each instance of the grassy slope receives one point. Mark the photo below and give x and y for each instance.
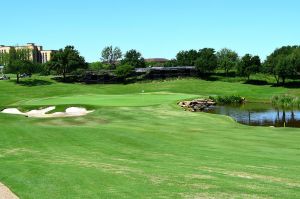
(142, 145)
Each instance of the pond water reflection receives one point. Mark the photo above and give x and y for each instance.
(258, 114)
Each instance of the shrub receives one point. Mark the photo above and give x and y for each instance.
(231, 99)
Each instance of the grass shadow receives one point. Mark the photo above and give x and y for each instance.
(34, 82)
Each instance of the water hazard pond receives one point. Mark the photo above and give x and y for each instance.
(258, 114)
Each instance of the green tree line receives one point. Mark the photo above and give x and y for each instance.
(283, 63)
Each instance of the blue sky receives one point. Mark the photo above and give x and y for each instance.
(157, 28)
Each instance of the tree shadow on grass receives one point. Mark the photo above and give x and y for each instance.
(257, 82)
(34, 82)
(69, 79)
(229, 74)
(210, 78)
(216, 76)
(293, 84)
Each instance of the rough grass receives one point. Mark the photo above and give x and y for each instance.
(143, 146)
(286, 101)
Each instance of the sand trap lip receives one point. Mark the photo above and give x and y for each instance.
(5, 193)
(42, 113)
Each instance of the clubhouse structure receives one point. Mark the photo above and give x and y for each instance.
(34, 52)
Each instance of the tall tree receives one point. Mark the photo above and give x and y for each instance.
(285, 67)
(284, 62)
(134, 58)
(4, 58)
(20, 66)
(111, 55)
(249, 65)
(296, 56)
(227, 59)
(171, 63)
(187, 58)
(207, 60)
(19, 62)
(13, 55)
(67, 60)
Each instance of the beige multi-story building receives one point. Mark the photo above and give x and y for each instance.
(33, 52)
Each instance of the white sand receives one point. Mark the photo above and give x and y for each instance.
(5, 193)
(77, 111)
(12, 111)
(42, 113)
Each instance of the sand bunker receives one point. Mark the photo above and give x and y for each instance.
(5, 193)
(42, 113)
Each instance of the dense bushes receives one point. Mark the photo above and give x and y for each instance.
(124, 71)
(231, 99)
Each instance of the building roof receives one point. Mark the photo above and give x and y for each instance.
(143, 70)
(47, 50)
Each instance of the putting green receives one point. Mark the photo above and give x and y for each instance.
(143, 99)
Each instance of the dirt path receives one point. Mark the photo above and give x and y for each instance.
(5, 193)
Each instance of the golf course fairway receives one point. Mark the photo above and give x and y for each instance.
(139, 144)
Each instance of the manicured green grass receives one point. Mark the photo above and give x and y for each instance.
(139, 144)
(139, 99)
